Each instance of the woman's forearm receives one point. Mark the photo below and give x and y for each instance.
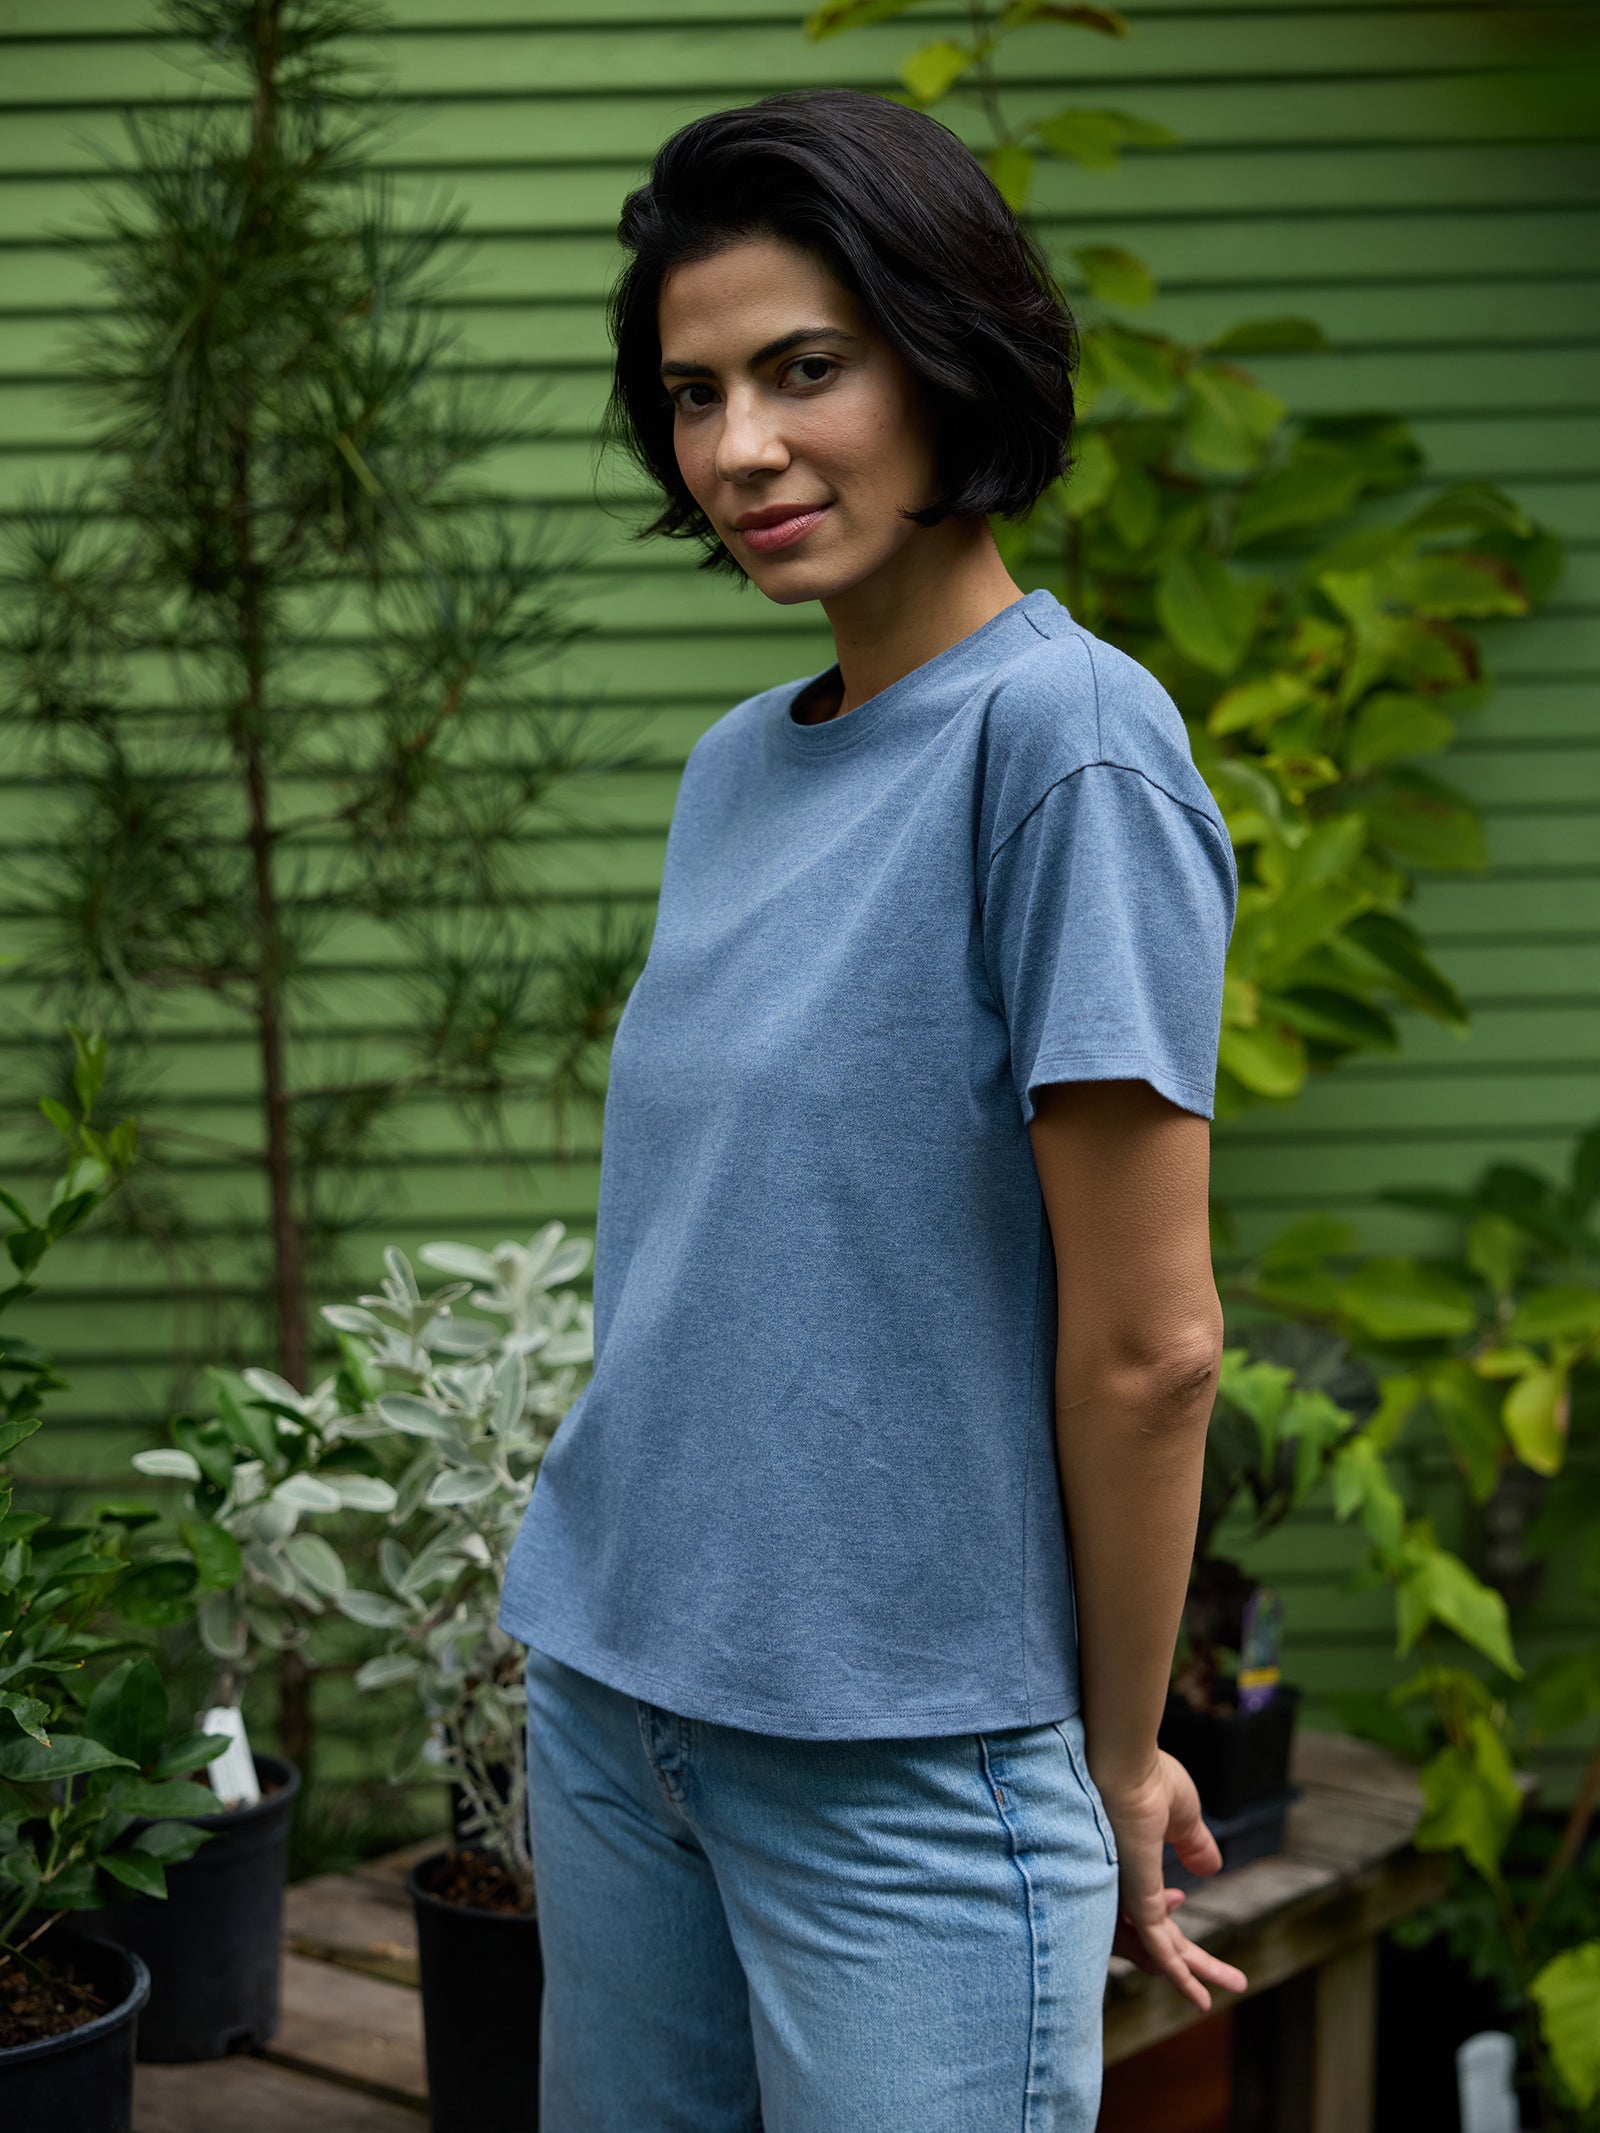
(1131, 1445)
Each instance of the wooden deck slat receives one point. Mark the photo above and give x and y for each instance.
(364, 2028)
(355, 1920)
(249, 2095)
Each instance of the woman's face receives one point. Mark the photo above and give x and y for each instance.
(799, 431)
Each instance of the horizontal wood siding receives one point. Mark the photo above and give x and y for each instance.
(1421, 180)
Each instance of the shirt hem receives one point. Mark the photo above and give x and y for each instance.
(1117, 1066)
(872, 1722)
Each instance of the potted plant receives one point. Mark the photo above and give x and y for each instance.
(88, 1776)
(268, 1459)
(474, 1402)
(1287, 1400)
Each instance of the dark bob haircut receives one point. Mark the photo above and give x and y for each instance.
(904, 216)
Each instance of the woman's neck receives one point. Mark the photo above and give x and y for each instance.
(945, 582)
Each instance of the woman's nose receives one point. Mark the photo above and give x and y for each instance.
(751, 441)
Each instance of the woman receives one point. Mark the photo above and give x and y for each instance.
(853, 1577)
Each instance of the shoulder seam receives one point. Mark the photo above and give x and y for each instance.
(1100, 762)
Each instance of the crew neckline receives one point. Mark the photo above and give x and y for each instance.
(827, 736)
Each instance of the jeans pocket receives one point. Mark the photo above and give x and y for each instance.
(1072, 1739)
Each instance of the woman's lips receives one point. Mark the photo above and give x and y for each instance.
(785, 532)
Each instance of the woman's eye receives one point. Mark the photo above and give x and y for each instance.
(683, 406)
(813, 369)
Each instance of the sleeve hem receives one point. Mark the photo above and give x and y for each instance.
(1118, 1066)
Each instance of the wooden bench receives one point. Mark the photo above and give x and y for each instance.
(1304, 1926)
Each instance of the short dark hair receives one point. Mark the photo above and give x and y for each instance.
(906, 217)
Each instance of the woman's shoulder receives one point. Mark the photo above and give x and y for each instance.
(1071, 700)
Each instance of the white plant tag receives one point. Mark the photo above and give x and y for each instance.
(1485, 2073)
(232, 1774)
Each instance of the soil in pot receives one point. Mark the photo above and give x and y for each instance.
(78, 2076)
(214, 1942)
(482, 1976)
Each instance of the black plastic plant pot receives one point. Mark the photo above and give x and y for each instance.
(1255, 1832)
(81, 2081)
(213, 1943)
(1236, 1758)
(482, 1977)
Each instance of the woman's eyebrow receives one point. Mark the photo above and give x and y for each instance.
(779, 347)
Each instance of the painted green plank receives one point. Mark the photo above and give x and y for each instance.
(1431, 41)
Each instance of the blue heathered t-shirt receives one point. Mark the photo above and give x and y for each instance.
(811, 1487)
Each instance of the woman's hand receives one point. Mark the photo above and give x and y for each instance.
(1163, 1807)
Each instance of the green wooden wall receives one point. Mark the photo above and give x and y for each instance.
(1422, 180)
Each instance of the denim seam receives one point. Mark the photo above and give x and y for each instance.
(1028, 2093)
(1080, 1772)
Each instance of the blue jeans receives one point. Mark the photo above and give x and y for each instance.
(744, 1933)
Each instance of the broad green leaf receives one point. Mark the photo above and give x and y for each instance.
(1470, 1800)
(1270, 336)
(128, 1711)
(30, 1713)
(29, 1762)
(386, 1670)
(1496, 1249)
(136, 1869)
(1392, 949)
(1209, 614)
(1567, 1991)
(1361, 1484)
(1115, 275)
(171, 1841)
(1090, 481)
(1405, 1300)
(1095, 137)
(836, 15)
(1556, 1314)
(372, 1609)
(166, 1797)
(415, 1417)
(1389, 726)
(1440, 1588)
(1139, 365)
(936, 68)
(1426, 821)
(191, 1751)
(1253, 706)
(1134, 509)
(215, 1551)
(1270, 1060)
(306, 1492)
(464, 1486)
(158, 1593)
(1075, 13)
(1010, 165)
(363, 1492)
(1313, 488)
(168, 1462)
(1445, 585)
(316, 1562)
(1229, 418)
(1469, 1414)
(1535, 1416)
(1339, 1018)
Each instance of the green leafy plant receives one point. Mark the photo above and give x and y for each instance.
(1319, 644)
(1492, 1347)
(470, 1403)
(83, 1748)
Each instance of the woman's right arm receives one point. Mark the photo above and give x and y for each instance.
(1125, 1175)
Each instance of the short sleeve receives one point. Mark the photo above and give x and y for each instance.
(1106, 922)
